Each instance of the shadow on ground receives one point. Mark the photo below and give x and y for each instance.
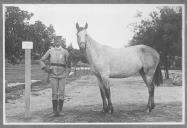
(122, 113)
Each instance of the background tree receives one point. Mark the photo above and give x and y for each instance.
(163, 31)
(15, 27)
(76, 55)
(64, 42)
(18, 29)
(41, 36)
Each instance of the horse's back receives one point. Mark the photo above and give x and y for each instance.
(127, 61)
(146, 49)
(124, 62)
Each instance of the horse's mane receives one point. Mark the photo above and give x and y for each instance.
(96, 44)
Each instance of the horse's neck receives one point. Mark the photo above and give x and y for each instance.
(92, 49)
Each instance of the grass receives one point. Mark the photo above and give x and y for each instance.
(16, 74)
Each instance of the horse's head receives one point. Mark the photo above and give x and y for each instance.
(81, 35)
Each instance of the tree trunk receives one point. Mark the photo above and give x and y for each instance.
(166, 73)
(48, 78)
(75, 70)
(166, 67)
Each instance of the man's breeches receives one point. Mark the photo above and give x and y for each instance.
(58, 88)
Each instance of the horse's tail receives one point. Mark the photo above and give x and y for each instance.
(158, 78)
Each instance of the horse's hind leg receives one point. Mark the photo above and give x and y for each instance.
(151, 104)
(148, 79)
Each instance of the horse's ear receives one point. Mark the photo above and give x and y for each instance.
(86, 26)
(77, 26)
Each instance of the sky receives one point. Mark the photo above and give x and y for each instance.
(107, 23)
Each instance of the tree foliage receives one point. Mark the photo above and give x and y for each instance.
(18, 29)
(76, 55)
(163, 31)
(41, 36)
(15, 29)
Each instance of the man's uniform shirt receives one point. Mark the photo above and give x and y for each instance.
(58, 62)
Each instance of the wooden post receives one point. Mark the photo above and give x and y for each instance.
(27, 82)
(27, 46)
(75, 71)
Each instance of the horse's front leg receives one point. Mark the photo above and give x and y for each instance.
(103, 95)
(108, 95)
(106, 84)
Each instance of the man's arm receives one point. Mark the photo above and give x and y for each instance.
(68, 63)
(68, 60)
(42, 60)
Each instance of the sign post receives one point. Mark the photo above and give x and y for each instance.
(27, 45)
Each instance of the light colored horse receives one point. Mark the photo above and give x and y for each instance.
(107, 62)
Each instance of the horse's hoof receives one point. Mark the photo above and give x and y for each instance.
(111, 110)
(61, 114)
(152, 106)
(148, 109)
(105, 110)
(102, 111)
(53, 114)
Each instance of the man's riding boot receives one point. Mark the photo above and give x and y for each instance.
(60, 106)
(55, 105)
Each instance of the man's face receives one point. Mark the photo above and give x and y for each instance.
(57, 44)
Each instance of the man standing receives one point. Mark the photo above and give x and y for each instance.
(59, 70)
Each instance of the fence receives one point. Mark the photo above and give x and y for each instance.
(83, 70)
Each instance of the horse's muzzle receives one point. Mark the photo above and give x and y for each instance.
(82, 45)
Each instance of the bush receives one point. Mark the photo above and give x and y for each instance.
(177, 79)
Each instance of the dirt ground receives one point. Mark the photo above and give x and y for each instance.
(83, 103)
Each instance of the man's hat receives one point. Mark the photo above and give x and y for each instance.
(58, 38)
(52, 42)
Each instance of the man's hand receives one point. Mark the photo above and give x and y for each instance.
(68, 70)
(46, 69)
(71, 73)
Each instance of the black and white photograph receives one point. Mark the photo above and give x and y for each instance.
(93, 64)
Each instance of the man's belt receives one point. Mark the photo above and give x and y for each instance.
(56, 64)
